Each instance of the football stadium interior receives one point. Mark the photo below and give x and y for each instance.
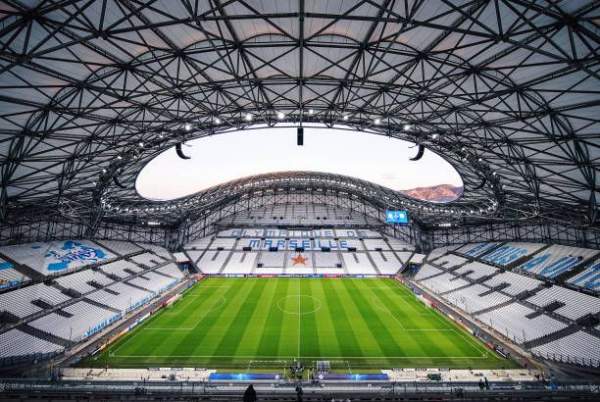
(300, 200)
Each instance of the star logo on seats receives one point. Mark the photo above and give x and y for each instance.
(299, 259)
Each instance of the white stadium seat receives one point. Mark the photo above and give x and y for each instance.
(576, 304)
(15, 343)
(19, 301)
(358, 264)
(120, 247)
(242, 262)
(84, 320)
(475, 270)
(79, 281)
(512, 322)
(516, 283)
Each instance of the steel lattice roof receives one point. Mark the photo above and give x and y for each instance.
(507, 90)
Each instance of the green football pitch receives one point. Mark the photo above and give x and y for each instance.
(267, 322)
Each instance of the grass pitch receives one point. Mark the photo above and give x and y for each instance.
(255, 323)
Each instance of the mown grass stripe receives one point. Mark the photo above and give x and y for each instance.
(258, 322)
(345, 335)
(325, 329)
(227, 338)
(409, 342)
(379, 327)
(198, 341)
(271, 334)
(168, 340)
(310, 308)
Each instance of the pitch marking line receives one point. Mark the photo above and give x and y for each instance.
(299, 313)
(169, 329)
(213, 307)
(220, 301)
(387, 310)
(460, 333)
(201, 286)
(379, 305)
(304, 357)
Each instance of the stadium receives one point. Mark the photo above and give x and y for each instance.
(300, 200)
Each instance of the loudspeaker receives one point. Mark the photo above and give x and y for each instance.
(300, 141)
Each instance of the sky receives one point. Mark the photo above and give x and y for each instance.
(224, 157)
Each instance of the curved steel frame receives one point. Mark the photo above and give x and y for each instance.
(507, 90)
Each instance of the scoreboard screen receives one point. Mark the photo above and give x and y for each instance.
(396, 216)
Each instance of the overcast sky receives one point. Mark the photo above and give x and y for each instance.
(230, 156)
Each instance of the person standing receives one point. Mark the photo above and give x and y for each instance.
(250, 394)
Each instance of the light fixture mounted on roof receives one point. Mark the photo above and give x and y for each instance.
(419, 154)
(180, 152)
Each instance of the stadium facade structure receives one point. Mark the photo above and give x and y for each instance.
(508, 92)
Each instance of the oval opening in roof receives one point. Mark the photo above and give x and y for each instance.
(221, 158)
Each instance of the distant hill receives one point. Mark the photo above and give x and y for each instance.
(439, 193)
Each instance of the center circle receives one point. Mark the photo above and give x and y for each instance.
(299, 304)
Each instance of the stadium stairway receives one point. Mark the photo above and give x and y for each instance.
(7, 318)
(362, 242)
(455, 289)
(42, 304)
(571, 329)
(442, 272)
(589, 321)
(69, 292)
(454, 268)
(45, 336)
(344, 267)
(157, 272)
(497, 306)
(135, 286)
(228, 258)
(485, 278)
(526, 294)
(255, 265)
(112, 276)
(497, 288)
(101, 305)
